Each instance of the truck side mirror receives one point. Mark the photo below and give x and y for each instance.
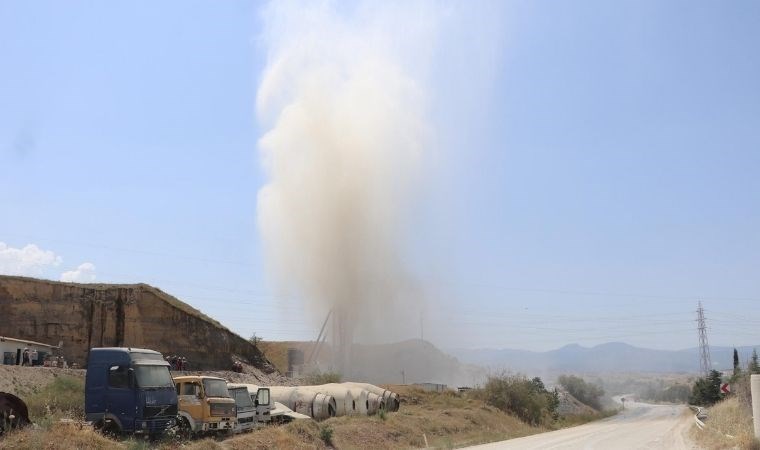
(197, 390)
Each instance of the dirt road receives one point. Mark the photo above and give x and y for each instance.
(639, 426)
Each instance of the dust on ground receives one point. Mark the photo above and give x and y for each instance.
(19, 380)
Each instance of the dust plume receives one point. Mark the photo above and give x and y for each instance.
(362, 108)
(345, 109)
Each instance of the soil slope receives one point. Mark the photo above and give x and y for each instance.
(82, 316)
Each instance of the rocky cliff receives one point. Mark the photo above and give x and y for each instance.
(83, 316)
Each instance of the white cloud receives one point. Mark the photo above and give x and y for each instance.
(85, 273)
(28, 261)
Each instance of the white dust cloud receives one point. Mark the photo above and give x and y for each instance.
(348, 130)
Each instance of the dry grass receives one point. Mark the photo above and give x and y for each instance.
(441, 420)
(728, 426)
(58, 437)
(446, 420)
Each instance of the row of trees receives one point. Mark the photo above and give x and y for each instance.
(706, 390)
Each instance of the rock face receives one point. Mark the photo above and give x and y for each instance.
(83, 316)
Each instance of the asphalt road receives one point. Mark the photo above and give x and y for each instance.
(639, 426)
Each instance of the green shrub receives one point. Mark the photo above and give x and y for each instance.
(587, 393)
(527, 399)
(64, 396)
(322, 378)
(326, 434)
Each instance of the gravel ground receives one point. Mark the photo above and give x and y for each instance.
(20, 380)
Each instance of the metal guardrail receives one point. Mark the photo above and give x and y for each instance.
(699, 412)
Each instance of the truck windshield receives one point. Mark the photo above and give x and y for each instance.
(215, 388)
(242, 399)
(153, 376)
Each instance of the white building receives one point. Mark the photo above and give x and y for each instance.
(11, 350)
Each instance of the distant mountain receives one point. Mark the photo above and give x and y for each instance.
(609, 357)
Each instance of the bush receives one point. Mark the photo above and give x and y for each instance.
(322, 378)
(63, 397)
(527, 399)
(326, 434)
(586, 393)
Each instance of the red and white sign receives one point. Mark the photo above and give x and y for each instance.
(725, 388)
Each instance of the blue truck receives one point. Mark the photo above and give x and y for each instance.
(129, 391)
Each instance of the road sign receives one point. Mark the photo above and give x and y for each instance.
(725, 388)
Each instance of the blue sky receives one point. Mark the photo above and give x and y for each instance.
(596, 168)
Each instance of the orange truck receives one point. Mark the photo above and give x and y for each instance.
(205, 405)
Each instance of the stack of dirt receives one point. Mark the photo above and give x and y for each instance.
(82, 316)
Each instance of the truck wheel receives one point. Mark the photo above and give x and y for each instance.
(184, 431)
(110, 429)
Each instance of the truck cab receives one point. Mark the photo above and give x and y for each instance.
(246, 408)
(256, 408)
(205, 405)
(129, 391)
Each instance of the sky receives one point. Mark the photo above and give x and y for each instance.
(592, 171)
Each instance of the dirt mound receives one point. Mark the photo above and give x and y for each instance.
(82, 316)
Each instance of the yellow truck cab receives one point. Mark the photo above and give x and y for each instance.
(205, 405)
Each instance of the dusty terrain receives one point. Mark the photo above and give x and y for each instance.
(425, 419)
(20, 380)
(640, 425)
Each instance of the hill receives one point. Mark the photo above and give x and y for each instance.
(609, 357)
(82, 316)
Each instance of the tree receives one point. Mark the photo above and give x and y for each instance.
(737, 369)
(754, 365)
(706, 391)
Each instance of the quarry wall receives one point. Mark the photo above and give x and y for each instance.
(82, 316)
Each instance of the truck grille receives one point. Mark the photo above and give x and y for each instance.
(223, 409)
(160, 411)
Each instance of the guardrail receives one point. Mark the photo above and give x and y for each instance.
(699, 412)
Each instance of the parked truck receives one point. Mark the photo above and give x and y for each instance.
(246, 408)
(253, 405)
(129, 391)
(205, 405)
(261, 398)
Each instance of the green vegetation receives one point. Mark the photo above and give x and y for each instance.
(326, 434)
(64, 397)
(322, 378)
(528, 400)
(586, 393)
(706, 391)
(754, 365)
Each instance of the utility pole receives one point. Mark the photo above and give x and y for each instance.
(704, 348)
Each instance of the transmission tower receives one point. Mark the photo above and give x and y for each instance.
(704, 349)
